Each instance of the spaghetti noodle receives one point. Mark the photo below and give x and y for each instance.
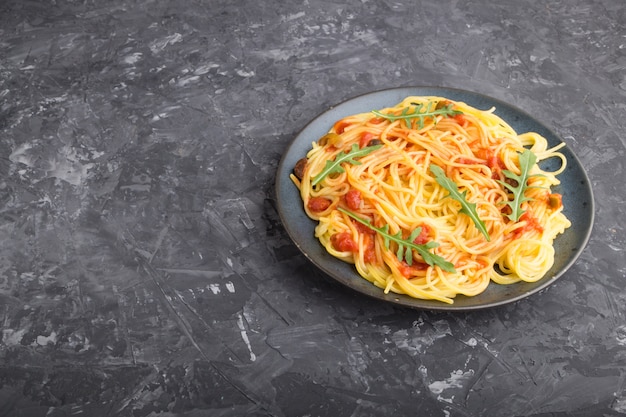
(433, 198)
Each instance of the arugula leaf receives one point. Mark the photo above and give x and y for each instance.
(334, 167)
(526, 161)
(419, 113)
(466, 207)
(406, 246)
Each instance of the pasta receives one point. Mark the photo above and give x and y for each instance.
(434, 198)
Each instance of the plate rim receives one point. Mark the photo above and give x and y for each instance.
(282, 178)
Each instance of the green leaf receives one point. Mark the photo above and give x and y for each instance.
(467, 208)
(526, 161)
(419, 114)
(406, 246)
(334, 167)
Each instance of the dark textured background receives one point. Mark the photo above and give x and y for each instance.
(144, 270)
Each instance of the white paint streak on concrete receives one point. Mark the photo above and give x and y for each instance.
(244, 336)
(456, 380)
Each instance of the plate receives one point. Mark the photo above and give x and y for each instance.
(575, 188)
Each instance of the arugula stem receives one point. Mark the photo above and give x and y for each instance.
(526, 161)
(418, 114)
(333, 167)
(466, 207)
(406, 245)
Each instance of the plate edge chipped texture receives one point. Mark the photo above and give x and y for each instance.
(575, 187)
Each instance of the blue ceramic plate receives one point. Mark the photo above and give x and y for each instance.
(575, 188)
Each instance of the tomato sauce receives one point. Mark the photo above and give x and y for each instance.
(531, 224)
(408, 271)
(424, 236)
(318, 204)
(365, 139)
(343, 242)
(353, 199)
(340, 126)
